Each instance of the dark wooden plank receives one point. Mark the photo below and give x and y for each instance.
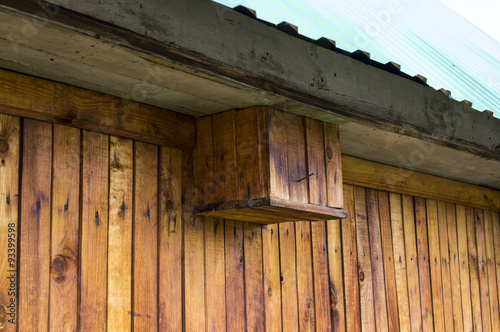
(495, 223)
(315, 161)
(9, 218)
(297, 161)
(235, 283)
(170, 240)
(464, 267)
(481, 265)
(34, 254)
(289, 309)
(336, 281)
(350, 258)
(490, 270)
(206, 190)
(278, 155)
(271, 270)
(59, 103)
(94, 231)
(445, 267)
(254, 291)
(65, 226)
(473, 270)
(334, 182)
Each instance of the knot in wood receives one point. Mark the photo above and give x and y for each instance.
(169, 204)
(58, 268)
(329, 153)
(361, 276)
(4, 146)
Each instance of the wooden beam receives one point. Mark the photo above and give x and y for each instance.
(369, 174)
(40, 99)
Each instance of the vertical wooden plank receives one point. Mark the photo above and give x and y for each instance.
(464, 267)
(305, 282)
(412, 263)
(205, 189)
(435, 264)
(481, 264)
(254, 291)
(251, 151)
(490, 270)
(398, 238)
(315, 161)
(170, 240)
(278, 155)
(193, 247)
(387, 250)
(333, 166)
(350, 258)
(495, 223)
(321, 278)
(289, 309)
(364, 261)
(336, 281)
(34, 259)
(473, 270)
(451, 222)
(445, 267)
(121, 168)
(235, 283)
(94, 231)
(9, 218)
(297, 162)
(65, 225)
(271, 263)
(215, 280)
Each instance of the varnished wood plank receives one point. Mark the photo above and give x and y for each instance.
(435, 264)
(297, 162)
(387, 250)
(350, 259)
(336, 281)
(215, 280)
(121, 168)
(289, 309)
(278, 155)
(94, 231)
(59, 103)
(361, 172)
(170, 232)
(9, 219)
(271, 271)
(315, 161)
(423, 265)
(364, 262)
(490, 270)
(464, 267)
(473, 270)
(235, 283)
(206, 189)
(481, 265)
(495, 223)
(399, 257)
(305, 281)
(451, 222)
(412, 263)
(333, 166)
(65, 226)
(34, 259)
(321, 277)
(254, 291)
(445, 267)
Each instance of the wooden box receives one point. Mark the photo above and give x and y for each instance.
(267, 166)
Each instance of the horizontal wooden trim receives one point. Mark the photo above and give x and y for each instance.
(369, 174)
(40, 99)
(269, 210)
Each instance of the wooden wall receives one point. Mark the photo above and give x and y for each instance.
(106, 241)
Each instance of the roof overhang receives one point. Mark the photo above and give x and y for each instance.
(200, 57)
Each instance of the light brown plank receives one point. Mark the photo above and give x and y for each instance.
(464, 267)
(65, 226)
(94, 231)
(297, 161)
(289, 309)
(412, 263)
(9, 219)
(254, 291)
(364, 262)
(451, 222)
(350, 258)
(315, 161)
(336, 281)
(473, 270)
(278, 155)
(495, 223)
(334, 181)
(59, 103)
(235, 283)
(34, 259)
(399, 258)
(170, 240)
(490, 270)
(387, 250)
(121, 168)
(445, 267)
(271, 270)
(215, 280)
(481, 265)
(305, 278)
(435, 264)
